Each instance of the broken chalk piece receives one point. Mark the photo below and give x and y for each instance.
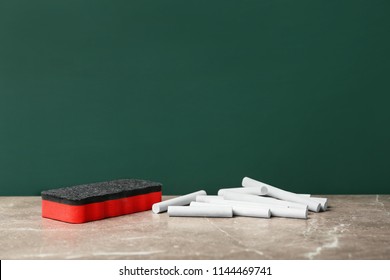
(207, 198)
(203, 211)
(258, 190)
(177, 201)
(261, 199)
(283, 195)
(240, 210)
(276, 210)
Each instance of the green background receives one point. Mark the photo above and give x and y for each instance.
(195, 94)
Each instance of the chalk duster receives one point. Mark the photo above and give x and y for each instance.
(90, 202)
(177, 201)
(204, 211)
(283, 195)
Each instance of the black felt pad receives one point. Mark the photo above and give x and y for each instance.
(102, 191)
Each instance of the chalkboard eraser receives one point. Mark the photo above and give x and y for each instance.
(96, 201)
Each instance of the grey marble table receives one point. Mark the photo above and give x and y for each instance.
(355, 227)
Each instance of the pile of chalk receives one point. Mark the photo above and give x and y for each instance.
(253, 199)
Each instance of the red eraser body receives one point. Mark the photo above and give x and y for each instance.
(90, 202)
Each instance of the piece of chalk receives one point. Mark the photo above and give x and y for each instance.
(240, 210)
(283, 195)
(179, 201)
(204, 211)
(261, 199)
(207, 198)
(276, 210)
(244, 203)
(253, 190)
(319, 199)
(322, 200)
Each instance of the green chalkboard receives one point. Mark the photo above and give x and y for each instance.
(195, 94)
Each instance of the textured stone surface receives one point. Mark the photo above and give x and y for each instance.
(355, 227)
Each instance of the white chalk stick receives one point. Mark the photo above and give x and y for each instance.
(245, 203)
(203, 211)
(319, 199)
(294, 213)
(178, 201)
(207, 198)
(240, 210)
(261, 199)
(322, 200)
(284, 195)
(252, 190)
(276, 210)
